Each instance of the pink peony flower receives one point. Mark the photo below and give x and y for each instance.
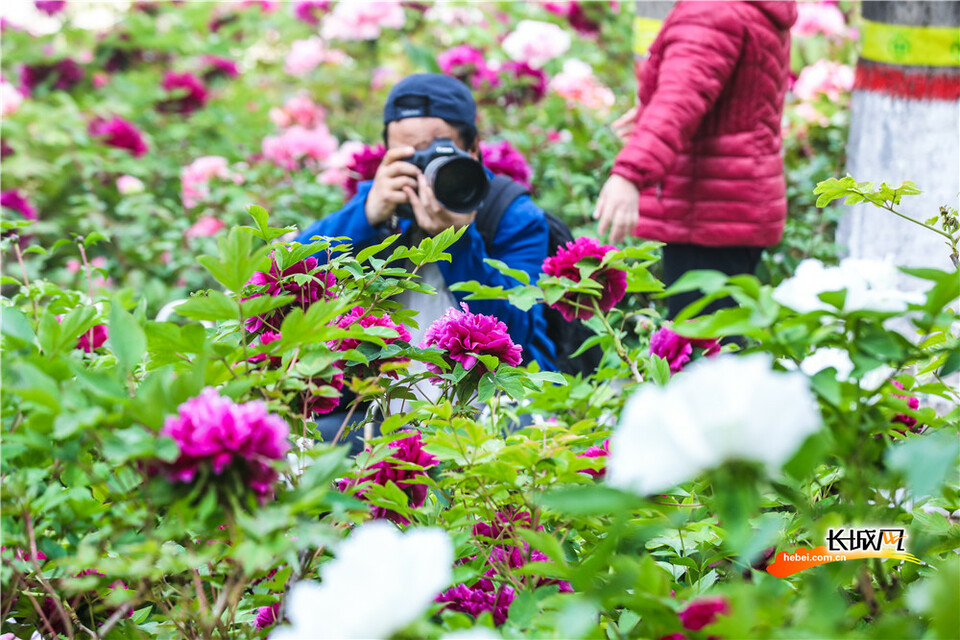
(596, 452)
(62, 75)
(383, 76)
(119, 133)
(363, 166)
(362, 20)
(564, 265)
(299, 110)
(475, 601)
(318, 286)
(13, 200)
(196, 177)
(307, 10)
(397, 469)
(94, 338)
(129, 184)
(214, 431)
(100, 80)
(187, 91)
(267, 616)
(523, 84)
(503, 159)
(305, 55)
(817, 18)
(10, 98)
(266, 6)
(577, 84)
(50, 7)
(824, 77)
(219, 67)
(677, 349)
(703, 612)
(204, 227)
(321, 404)
(914, 403)
(298, 144)
(464, 336)
(468, 65)
(536, 43)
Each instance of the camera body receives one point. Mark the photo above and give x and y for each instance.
(458, 181)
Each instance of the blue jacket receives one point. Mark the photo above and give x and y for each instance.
(521, 242)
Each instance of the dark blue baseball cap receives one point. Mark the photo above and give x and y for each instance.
(430, 95)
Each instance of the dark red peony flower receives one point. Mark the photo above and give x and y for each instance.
(700, 613)
(320, 404)
(267, 616)
(266, 338)
(119, 133)
(94, 338)
(914, 403)
(63, 75)
(219, 67)
(523, 84)
(317, 286)
(564, 264)
(188, 93)
(474, 601)
(358, 316)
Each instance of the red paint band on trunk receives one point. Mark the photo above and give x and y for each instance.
(916, 85)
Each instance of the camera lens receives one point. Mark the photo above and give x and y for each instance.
(459, 182)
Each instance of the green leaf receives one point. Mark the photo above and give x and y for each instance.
(262, 304)
(213, 306)
(14, 323)
(925, 461)
(589, 500)
(377, 248)
(502, 267)
(237, 260)
(127, 340)
(93, 238)
(951, 364)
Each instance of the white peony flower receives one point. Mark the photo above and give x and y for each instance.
(839, 359)
(717, 409)
(536, 43)
(870, 285)
(380, 581)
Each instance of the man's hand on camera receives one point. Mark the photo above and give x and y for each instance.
(392, 178)
(430, 215)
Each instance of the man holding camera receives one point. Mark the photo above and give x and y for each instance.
(431, 179)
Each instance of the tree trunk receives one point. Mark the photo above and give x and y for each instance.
(904, 126)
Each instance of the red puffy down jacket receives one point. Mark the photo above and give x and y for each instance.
(705, 151)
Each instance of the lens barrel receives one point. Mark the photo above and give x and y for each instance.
(459, 182)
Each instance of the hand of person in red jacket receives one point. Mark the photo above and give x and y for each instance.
(617, 208)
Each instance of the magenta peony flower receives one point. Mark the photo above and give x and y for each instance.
(213, 431)
(503, 159)
(50, 7)
(677, 349)
(468, 65)
(321, 404)
(219, 67)
(475, 601)
(63, 75)
(357, 317)
(204, 227)
(464, 336)
(564, 264)
(119, 133)
(363, 166)
(26, 556)
(187, 91)
(94, 338)
(396, 469)
(13, 200)
(267, 616)
(523, 83)
(596, 452)
(317, 287)
(307, 10)
(5, 149)
(914, 403)
(703, 612)
(266, 338)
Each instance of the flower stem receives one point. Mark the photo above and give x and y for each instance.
(621, 351)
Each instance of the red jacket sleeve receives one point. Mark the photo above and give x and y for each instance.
(701, 43)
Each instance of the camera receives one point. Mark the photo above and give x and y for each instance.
(457, 179)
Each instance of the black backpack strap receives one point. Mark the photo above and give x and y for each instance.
(503, 191)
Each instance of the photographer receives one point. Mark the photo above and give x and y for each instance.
(421, 111)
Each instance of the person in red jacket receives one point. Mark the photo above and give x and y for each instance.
(702, 170)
